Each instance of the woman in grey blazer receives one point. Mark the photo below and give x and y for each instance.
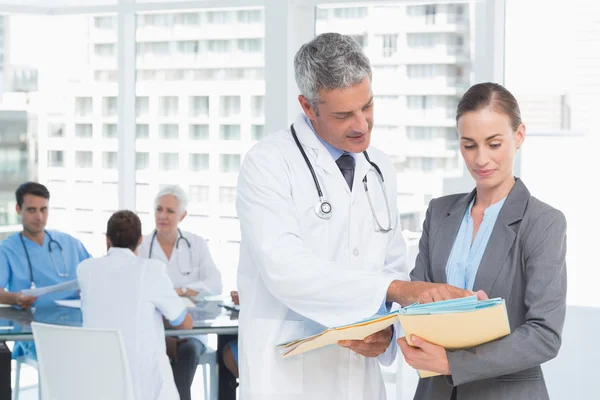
(501, 240)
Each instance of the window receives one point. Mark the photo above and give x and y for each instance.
(56, 159)
(230, 132)
(142, 131)
(109, 160)
(187, 19)
(230, 106)
(419, 102)
(250, 45)
(142, 161)
(227, 195)
(109, 131)
(83, 130)
(168, 161)
(219, 46)
(258, 106)
(258, 132)
(109, 106)
(83, 106)
(229, 163)
(56, 129)
(361, 39)
(421, 71)
(142, 106)
(168, 106)
(350, 12)
(105, 50)
(420, 132)
(199, 132)
(199, 106)
(84, 159)
(390, 45)
(168, 131)
(250, 16)
(105, 76)
(105, 23)
(199, 194)
(199, 162)
(430, 11)
(220, 17)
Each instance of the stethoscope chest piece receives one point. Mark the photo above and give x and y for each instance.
(323, 209)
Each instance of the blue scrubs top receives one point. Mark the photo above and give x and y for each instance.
(47, 267)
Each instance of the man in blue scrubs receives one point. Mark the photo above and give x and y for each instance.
(35, 256)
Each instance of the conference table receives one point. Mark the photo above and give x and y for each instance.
(209, 318)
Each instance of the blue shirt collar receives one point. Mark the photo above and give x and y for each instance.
(334, 151)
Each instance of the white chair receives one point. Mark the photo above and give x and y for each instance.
(82, 363)
(208, 363)
(31, 362)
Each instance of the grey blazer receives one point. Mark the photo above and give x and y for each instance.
(524, 263)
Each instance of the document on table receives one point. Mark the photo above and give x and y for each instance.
(37, 292)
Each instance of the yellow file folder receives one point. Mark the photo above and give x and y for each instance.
(453, 324)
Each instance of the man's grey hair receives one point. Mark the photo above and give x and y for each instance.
(177, 192)
(329, 61)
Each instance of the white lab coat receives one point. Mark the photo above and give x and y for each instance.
(203, 277)
(298, 273)
(124, 292)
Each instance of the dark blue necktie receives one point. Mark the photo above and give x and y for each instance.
(346, 165)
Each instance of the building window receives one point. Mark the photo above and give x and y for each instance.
(199, 162)
(258, 132)
(257, 106)
(142, 106)
(168, 131)
(199, 132)
(109, 160)
(83, 106)
(250, 45)
(187, 19)
(105, 50)
(390, 45)
(109, 131)
(199, 194)
(56, 158)
(219, 46)
(84, 159)
(168, 106)
(230, 132)
(350, 12)
(199, 106)
(142, 131)
(109, 106)
(83, 130)
(361, 39)
(168, 161)
(227, 195)
(56, 129)
(229, 163)
(142, 161)
(105, 23)
(220, 17)
(250, 16)
(230, 106)
(430, 11)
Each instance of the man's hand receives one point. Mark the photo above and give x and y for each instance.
(406, 293)
(173, 346)
(372, 346)
(188, 292)
(25, 302)
(424, 355)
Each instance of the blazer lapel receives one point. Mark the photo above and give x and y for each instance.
(446, 235)
(502, 238)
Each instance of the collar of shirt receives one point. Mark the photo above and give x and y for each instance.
(334, 151)
(491, 211)
(120, 250)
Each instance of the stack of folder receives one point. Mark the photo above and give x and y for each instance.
(453, 324)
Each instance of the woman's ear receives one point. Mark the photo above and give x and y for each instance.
(521, 131)
(107, 243)
(183, 216)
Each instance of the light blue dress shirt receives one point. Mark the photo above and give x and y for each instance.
(15, 274)
(465, 257)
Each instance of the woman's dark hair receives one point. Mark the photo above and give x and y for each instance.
(32, 188)
(124, 230)
(492, 95)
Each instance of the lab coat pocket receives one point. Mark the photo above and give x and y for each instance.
(281, 376)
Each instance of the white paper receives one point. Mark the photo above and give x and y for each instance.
(188, 302)
(75, 303)
(37, 292)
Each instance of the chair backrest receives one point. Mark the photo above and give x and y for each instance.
(82, 363)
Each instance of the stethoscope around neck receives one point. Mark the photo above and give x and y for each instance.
(179, 238)
(50, 242)
(323, 208)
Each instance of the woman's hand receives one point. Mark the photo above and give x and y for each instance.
(424, 355)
